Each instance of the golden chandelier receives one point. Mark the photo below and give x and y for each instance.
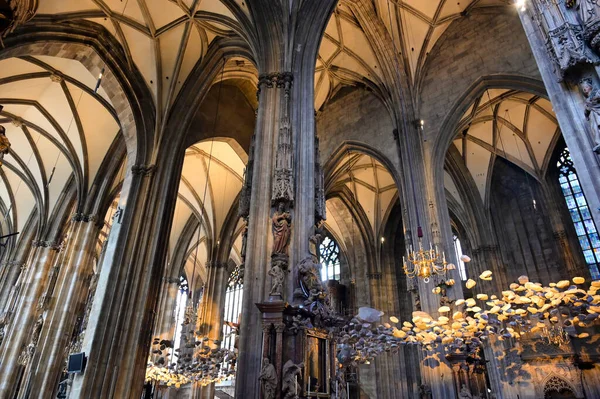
(426, 263)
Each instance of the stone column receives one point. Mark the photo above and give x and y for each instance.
(562, 67)
(9, 272)
(256, 285)
(119, 330)
(422, 218)
(32, 280)
(70, 287)
(284, 163)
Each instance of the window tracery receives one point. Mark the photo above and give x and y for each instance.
(585, 227)
(233, 308)
(557, 385)
(329, 256)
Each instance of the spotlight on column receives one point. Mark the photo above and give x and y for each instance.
(76, 364)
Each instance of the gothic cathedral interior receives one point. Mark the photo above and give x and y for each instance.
(299, 199)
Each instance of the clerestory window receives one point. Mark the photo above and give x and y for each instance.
(580, 212)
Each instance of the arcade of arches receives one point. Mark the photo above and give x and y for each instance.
(225, 199)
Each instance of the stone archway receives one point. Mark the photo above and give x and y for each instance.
(557, 388)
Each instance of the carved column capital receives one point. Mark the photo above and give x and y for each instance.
(275, 80)
(56, 77)
(279, 328)
(374, 276)
(53, 245)
(80, 217)
(211, 264)
(143, 170)
(266, 328)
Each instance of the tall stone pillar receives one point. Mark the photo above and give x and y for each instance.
(423, 224)
(20, 341)
(282, 204)
(119, 329)
(71, 286)
(566, 56)
(256, 285)
(11, 268)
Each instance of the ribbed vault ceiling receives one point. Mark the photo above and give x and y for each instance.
(58, 128)
(371, 187)
(517, 126)
(347, 55)
(164, 39)
(208, 200)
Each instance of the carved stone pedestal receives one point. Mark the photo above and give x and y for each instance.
(272, 325)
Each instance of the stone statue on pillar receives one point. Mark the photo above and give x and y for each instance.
(465, 393)
(592, 109)
(29, 350)
(282, 225)
(277, 277)
(292, 372)
(589, 17)
(268, 379)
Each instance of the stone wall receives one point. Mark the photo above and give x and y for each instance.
(481, 44)
(356, 114)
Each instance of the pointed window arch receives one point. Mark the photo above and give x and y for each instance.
(233, 308)
(587, 233)
(329, 256)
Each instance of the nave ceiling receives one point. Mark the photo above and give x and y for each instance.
(164, 39)
(58, 128)
(517, 126)
(209, 200)
(367, 186)
(348, 54)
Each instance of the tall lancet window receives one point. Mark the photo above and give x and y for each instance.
(233, 308)
(180, 305)
(580, 212)
(329, 254)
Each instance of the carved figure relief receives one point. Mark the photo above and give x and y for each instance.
(308, 276)
(244, 207)
(28, 352)
(283, 185)
(268, 379)
(341, 387)
(4, 143)
(465, 393)
(282, 224)
(592, 109)
(277, 277)
(589, 15)
(292, 373)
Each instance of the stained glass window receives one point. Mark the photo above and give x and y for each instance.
(580, 212)
(233, 308)
(329, 254)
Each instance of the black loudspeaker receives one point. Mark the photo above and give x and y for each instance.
(76, 364)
